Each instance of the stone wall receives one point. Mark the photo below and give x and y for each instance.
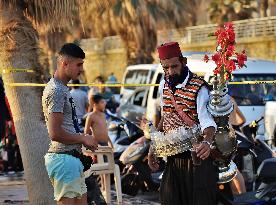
(260, 48)
(104, 57)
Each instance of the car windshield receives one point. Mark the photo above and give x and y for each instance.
(255, 94)
(136, 77)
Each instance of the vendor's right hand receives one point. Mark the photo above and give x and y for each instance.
(90, 142)
(153, 162)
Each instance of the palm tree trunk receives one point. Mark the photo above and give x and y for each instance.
(263, 8)
(18, 45)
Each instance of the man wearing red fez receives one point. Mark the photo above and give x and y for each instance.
(190, 176)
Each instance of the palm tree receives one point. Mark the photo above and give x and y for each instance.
(191, 8)
(221, 11)
(19, 49)
(263, 8)
(50, 42)
(136, 21)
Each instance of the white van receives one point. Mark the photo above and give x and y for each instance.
(136, 74)
(251, 99)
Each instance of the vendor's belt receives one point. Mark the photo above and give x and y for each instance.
(175, 142)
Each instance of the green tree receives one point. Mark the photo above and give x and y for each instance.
(230, 10)
(136, 21)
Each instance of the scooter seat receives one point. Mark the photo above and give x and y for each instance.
(266, 171)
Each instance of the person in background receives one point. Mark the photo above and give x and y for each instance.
(96, 123)
(5, 126)
(237, 119)
(4, 111)
(111, 78)
(80, 99)
(14, 156)
(96, 89)
(271, 95)
(106, 93)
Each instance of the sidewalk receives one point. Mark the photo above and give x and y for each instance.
(14, 191)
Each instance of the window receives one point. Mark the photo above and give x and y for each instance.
(138, 98)
(156, 88)
(136, 77)
(255, 94)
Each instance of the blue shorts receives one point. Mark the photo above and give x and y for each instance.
(66, 175)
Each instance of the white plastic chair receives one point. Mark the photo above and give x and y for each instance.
(104, 169)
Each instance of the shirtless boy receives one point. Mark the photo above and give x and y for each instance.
(96, 123)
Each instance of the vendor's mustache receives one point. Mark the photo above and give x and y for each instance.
(175, 79)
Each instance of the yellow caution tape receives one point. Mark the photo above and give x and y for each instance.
(16, 70)
(82, 85)
(26, 84)
(254, 82)
(128, 85)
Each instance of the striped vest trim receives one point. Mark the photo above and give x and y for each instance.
(184, 96)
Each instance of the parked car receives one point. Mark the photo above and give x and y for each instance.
(135, 106)
(136, 74)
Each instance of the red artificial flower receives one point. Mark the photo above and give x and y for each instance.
(216, 57)
(231, 36)
(230, 66)
(229, 26)
(218, 31)
(218, 61)
(241, 58)
(216, 71)
(223, 58)
(206, 58)
(227, 76)
(222, 37)
(230, 50)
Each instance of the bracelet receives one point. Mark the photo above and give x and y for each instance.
(204, 141)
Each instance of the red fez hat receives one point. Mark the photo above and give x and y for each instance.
(169, 50)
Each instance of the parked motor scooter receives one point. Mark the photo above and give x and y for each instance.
(137, 175)
(122, 133)
(257, 162)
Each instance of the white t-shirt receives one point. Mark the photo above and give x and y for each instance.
(80, 100)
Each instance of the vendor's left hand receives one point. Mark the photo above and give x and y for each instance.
(203, 151)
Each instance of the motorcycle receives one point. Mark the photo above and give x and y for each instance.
(251, 152)
(256, 161)
(122, 133)
(137, 175)
(265, 194)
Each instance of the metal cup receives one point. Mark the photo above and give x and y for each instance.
(195, 144)
(195, 158)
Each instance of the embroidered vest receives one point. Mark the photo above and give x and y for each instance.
(185, 97)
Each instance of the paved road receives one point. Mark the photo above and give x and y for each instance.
(13, 191)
